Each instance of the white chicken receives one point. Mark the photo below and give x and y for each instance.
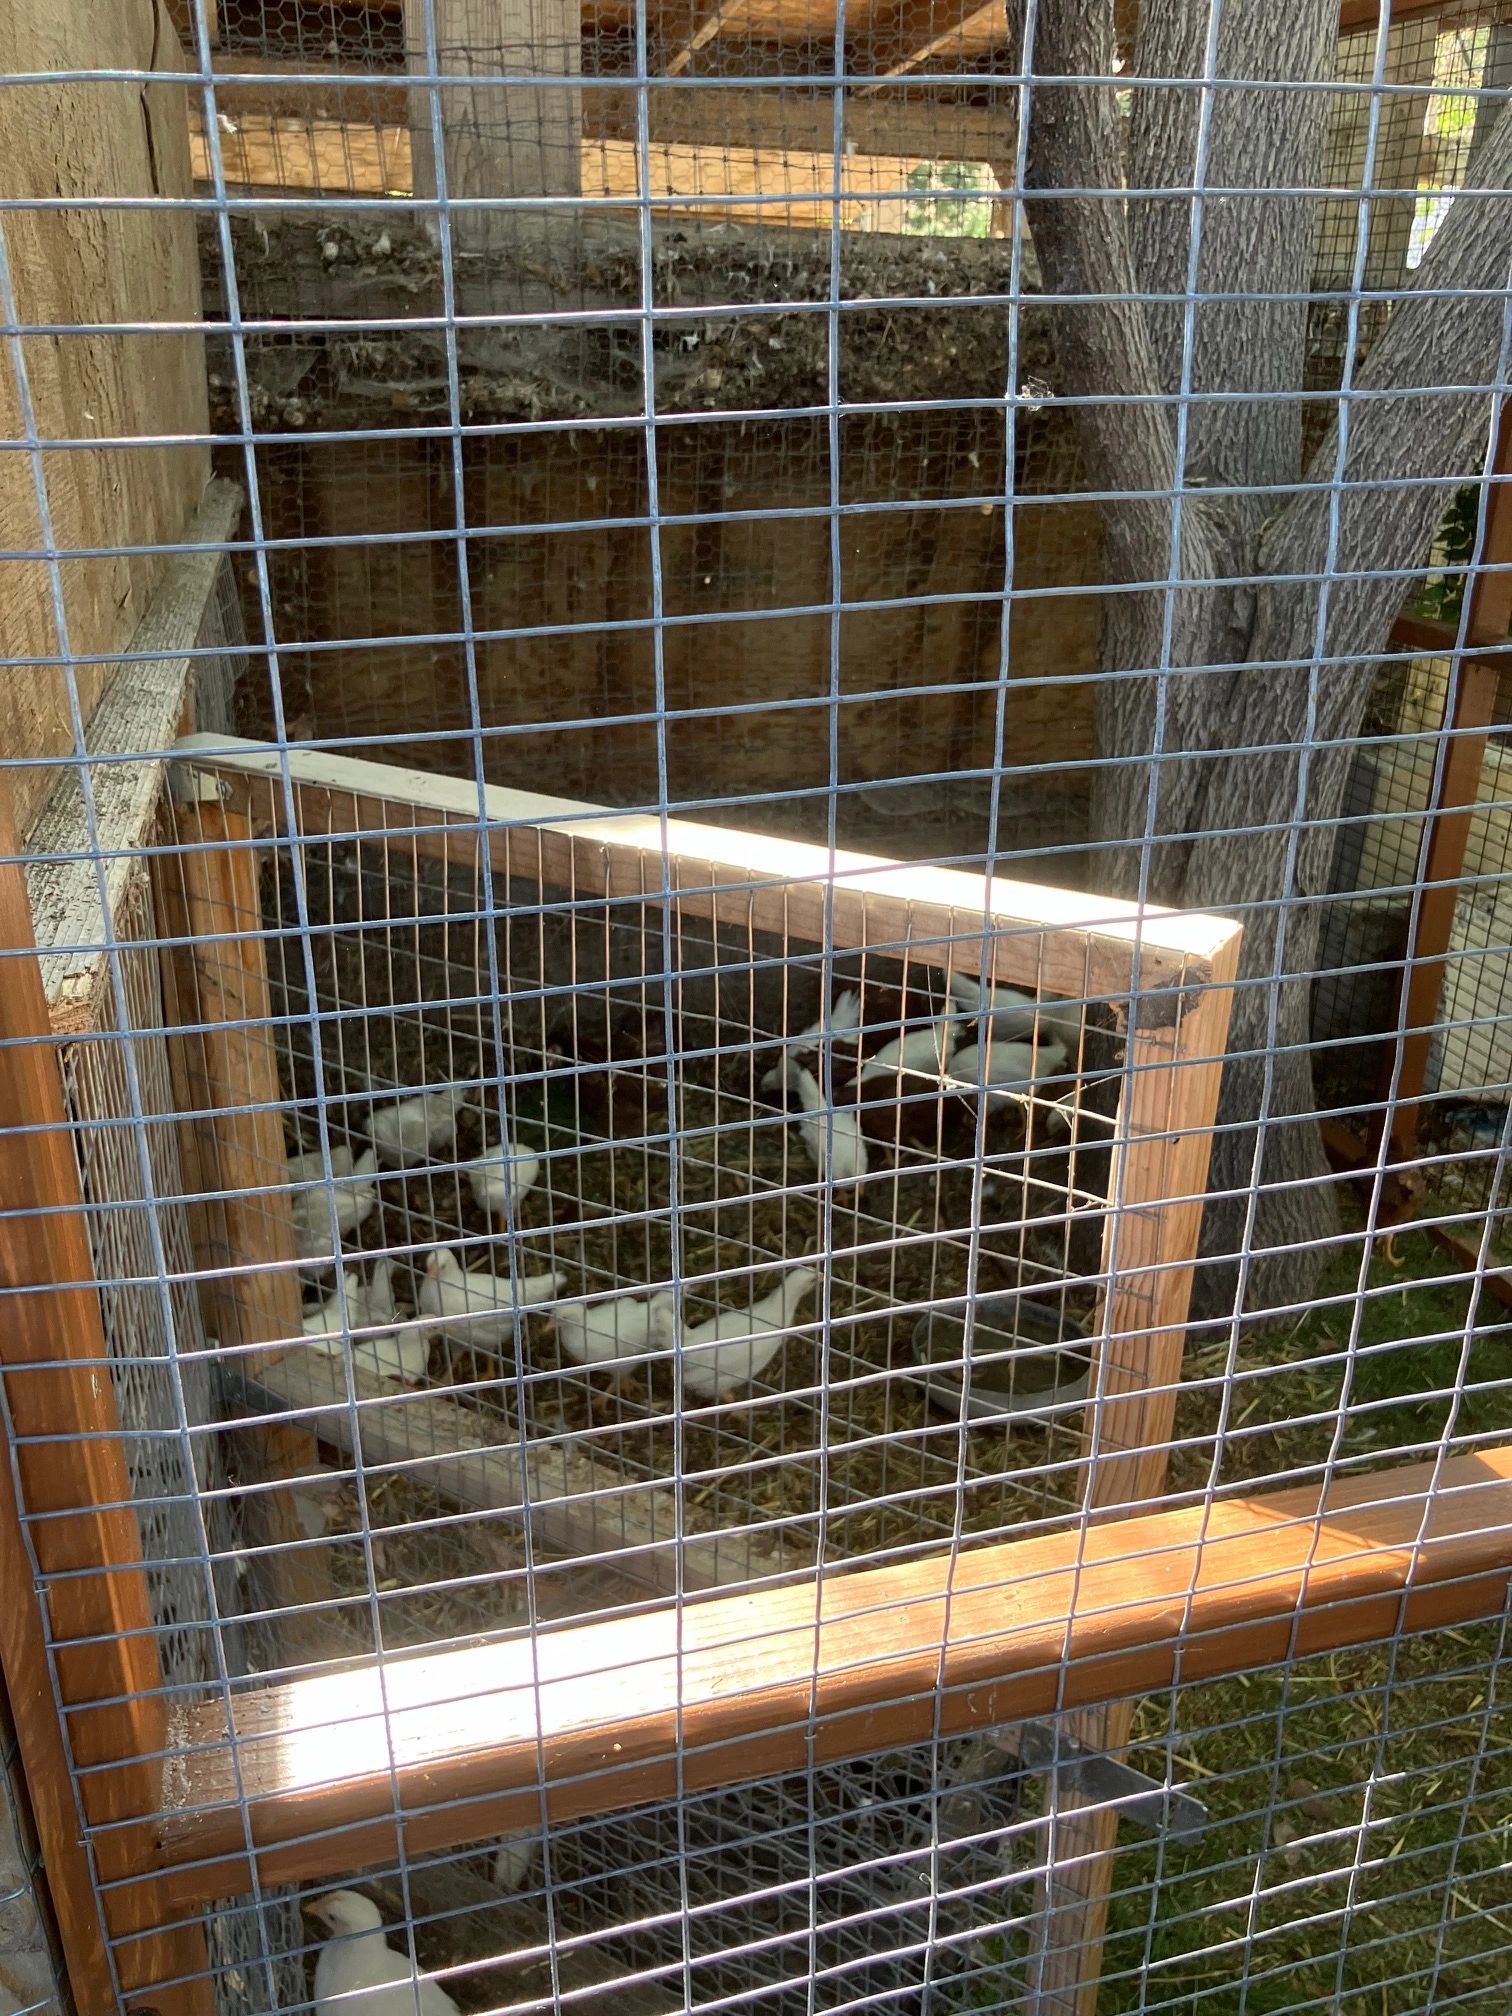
(844, 1016)
(370, 1306)
(732, 1348)
(844, 1020)
(358, 1973)
(354, 1192)
(1014, 1013)
(819, 1128)
(515, 1856)
(482, 1305)
(500, 1180)
(405, 1133)
(617, 1328)
(921, 1050)
(1010, 1068)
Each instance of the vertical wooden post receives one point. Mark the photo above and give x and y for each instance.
(225, 1073)
(1148, 1252)
(500, 140)
(1470, 707)
(76, 1490)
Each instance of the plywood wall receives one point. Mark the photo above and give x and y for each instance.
(71, 268)
(739, 689)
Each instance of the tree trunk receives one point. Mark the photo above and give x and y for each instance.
(1223, 759)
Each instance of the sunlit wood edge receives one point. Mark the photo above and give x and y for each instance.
(461, 1743)
(891, 900)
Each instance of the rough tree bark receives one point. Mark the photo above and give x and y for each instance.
(1224, 772)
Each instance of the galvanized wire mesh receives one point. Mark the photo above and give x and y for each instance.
(721, 414)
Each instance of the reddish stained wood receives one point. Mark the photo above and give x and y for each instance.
(1040, 937)
(225, 1067)
(77, 1491)
(847, 1665)
(1471, 708)
(1149, 1245)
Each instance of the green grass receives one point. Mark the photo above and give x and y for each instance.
(1362, 1802)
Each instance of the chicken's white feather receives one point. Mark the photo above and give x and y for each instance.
(820, 1131)
(925, 1050)
(515, 1856)
(358, 1973)
(1005, 1068)
(479, 1306)
(353, 1192)
(1013, 1013)
(619, 1327)
(499, 1181)
(370, 1305)
(735, 1346)
(406, 1132)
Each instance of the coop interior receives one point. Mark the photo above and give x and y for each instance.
(703, 478)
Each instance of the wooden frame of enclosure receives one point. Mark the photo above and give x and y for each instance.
(319, 1776)
(1176, 969)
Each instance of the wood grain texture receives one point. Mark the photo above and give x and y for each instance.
(139, 715)
(341, 156)
(497, 140)
(231, 1076)
(805, 20)
(75, 268)
(1040, 936)
(932, 123)
(44, 1758)
(581, 1502)
(1166, 1132)
(1470, 708)
(83, 1527)
(762, 1683)
(921, 678)
(226, 1083)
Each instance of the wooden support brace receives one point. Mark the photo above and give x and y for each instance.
(225, 1076)
(1148, 1248)
(341, 1771)
(1470, 707)
(76, 1494)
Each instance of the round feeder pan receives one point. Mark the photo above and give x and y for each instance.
(1025, 1365)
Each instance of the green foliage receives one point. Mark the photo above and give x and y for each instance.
(967, 215)
(1443, 594)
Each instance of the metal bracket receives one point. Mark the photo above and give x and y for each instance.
(1036, 1748)
(1156, 1807)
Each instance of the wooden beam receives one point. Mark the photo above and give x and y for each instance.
(1471, 707)
(74, 268)
(581, 1501)
(501, 141)
(972, 29)
(1165, 1126)
(75, 1487)
(932, 123)
(1357, 14)
(711, 25)
(44, 1759)
(1435, 638)
(140, 715)
(333, 1773)
(1041, 937)
(225, 1076)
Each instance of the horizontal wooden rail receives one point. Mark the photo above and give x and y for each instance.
(1058, 939)
(324, 1774)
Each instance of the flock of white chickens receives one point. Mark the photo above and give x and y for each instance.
(1027, 1041)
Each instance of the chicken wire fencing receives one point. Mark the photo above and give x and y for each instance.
(756, 1016)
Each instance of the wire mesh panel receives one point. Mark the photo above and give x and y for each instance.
(608, 1407)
